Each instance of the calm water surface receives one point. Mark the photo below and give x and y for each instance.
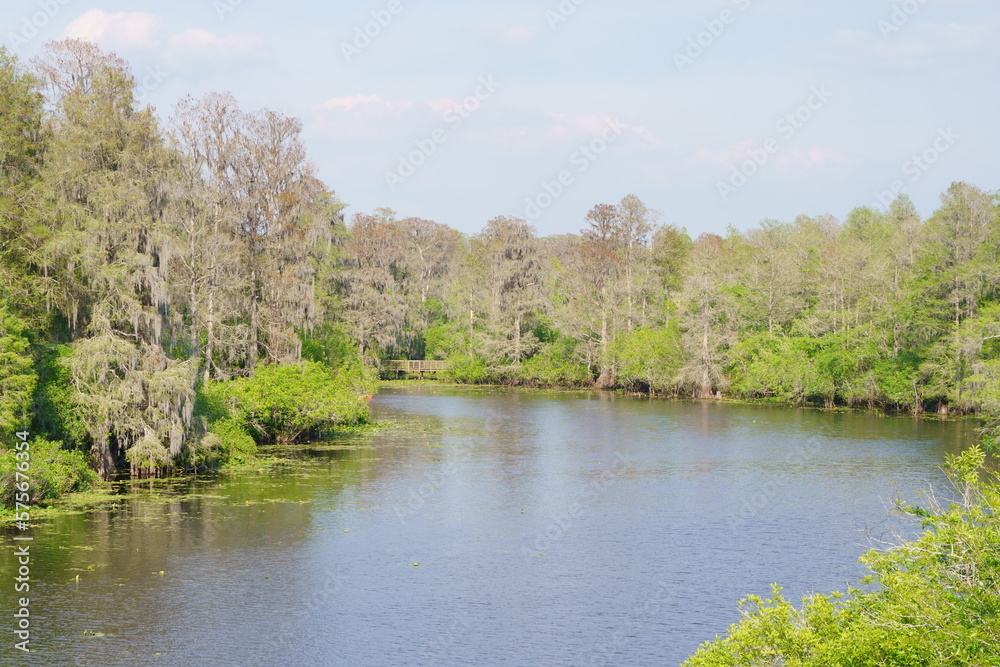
(484, 527)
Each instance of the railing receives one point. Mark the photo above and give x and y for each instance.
(418, 366)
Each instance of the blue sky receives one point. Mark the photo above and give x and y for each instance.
(462, 111)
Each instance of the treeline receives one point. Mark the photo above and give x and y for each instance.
(160, 286)
(884, 310)
(174, 293)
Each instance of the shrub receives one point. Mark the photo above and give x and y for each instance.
(286, 403)
(17, 374)
(931, 601)
(468, 370)
(53, 472)
(555, 364)
(650, 358)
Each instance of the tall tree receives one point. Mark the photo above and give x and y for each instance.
(708, 321)
(106, 179)
(508, 248)
(22, 146)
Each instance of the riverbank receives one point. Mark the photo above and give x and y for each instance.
(514, 504)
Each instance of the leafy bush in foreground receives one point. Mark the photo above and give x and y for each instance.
(933, 601)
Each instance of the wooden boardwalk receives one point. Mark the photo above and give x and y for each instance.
(418, 367)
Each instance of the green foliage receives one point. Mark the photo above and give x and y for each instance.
(468, 370)
(56, 410)
(53, 471)
(445, 341)
(932, 601)
(287, 403)
(555, 364)
(17, 375)
(650, 358)
(777, 367)
(329, 345)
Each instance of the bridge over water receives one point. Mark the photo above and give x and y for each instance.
(417, 367)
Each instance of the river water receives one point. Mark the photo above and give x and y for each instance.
(481, 527)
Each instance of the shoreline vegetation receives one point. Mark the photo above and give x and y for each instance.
(178, 290)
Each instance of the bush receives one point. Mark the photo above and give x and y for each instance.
(285, 404)
(56, 409)
(650, 358)
(468, 370)
(17, 374)
(932, 601)
(53, 472)
(555, 364)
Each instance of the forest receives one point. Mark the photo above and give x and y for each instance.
(176, 291)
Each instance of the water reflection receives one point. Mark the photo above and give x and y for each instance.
(484, 526)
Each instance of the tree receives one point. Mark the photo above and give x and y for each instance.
(22, 146)
(958, 260)
(17, 376)
(107, 256)
(708, 315)
(511, 269)
(373, 299)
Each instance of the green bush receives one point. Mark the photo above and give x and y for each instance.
(555, 364)
(52, 471)
(445, 341)
(17, 374)
(330, 345)
(285, 404)
(932, 601)
(56, 409)
(650, 358)
(468, 370)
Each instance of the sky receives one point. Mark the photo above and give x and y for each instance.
(715, 114)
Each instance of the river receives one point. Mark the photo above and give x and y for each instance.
(481, 527)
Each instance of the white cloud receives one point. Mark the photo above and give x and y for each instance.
(196, 45)
(360, 118)
(116, 30)
(785, 158)
(562, 128)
